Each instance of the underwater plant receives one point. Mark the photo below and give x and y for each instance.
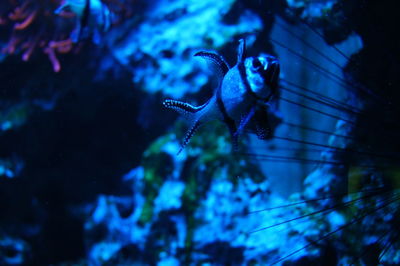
(32, 26)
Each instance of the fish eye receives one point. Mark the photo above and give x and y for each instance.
(256, 63)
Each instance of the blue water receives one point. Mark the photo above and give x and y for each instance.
(95, 170)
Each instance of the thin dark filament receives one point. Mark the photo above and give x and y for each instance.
(323, 97)
(335, 78)
(392, 155)
(308, 143)
(322, 112)
(320, 101)
(380, 239)
(288, 159)
(336, 196)
(329, 209)
(296, 150)
(319, 111)
(285, 160)
(333, 116)
(353, 221)
(337, 148)
(316, 110)
(388, 245)
(322, 38)
(311, 46)
(325, 113)
(317, 130)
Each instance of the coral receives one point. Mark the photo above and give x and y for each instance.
(10, 167)
(169, 35)
(173, 203)
(311, 9)
(14, 251)
(14, 116)
(74, 137)
(34, 25)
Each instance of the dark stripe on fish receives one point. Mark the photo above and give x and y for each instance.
(243, 76)
(241, 51)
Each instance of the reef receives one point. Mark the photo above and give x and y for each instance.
(89, 170)
(31, 25)
(169, 35)
(171, 214)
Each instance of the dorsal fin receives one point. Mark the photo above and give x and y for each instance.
(241, 51)
(216, 59)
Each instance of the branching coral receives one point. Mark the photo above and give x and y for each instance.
(34, 25)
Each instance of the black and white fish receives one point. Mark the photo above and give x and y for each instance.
(241, 98)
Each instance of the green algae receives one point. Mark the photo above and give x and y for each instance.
(208, 156)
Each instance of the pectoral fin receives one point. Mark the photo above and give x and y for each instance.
(182, 107)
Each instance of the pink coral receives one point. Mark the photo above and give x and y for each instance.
(34, 26)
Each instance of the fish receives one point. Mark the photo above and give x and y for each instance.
(241, 98)
(92, 18)
(346, 207)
